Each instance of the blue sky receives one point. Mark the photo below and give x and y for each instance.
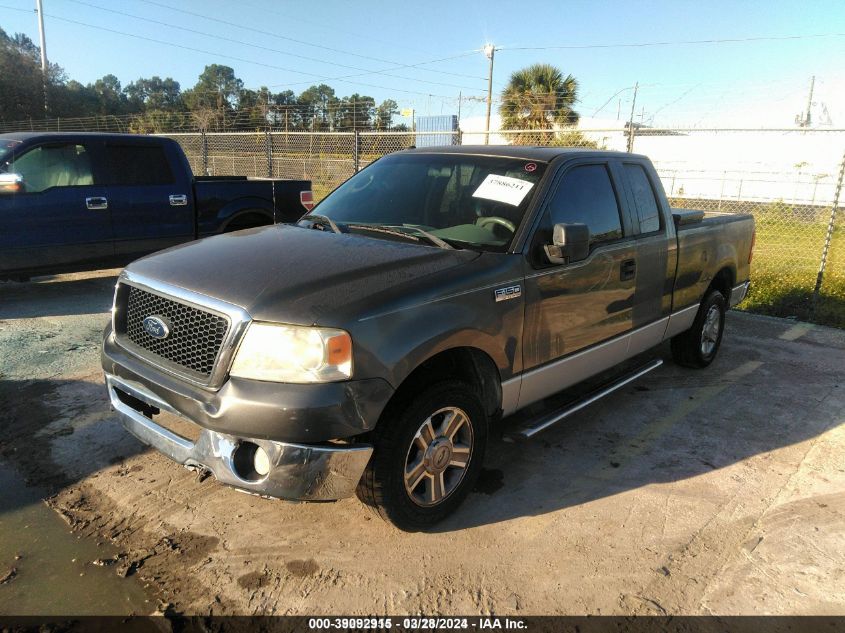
(732, 83)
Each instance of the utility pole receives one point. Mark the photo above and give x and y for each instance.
(40, 10)
(460, 100)
(631, 120)
(490, 52)
(807, 118)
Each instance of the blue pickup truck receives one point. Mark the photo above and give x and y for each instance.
(81, 201)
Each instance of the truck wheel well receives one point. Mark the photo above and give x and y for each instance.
(466, 364)
(248, 220)
(724, 282)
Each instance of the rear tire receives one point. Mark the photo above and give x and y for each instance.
(698, 346)
(428, 452)
(248, 221)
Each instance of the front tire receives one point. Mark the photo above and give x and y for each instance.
(697, 347)
(428, 452)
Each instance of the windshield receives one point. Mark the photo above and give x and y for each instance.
(463, 200)
(6, 145)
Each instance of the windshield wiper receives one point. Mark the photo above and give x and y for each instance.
(380, 228)
(390, 229)
(322, 220)
(429, 236)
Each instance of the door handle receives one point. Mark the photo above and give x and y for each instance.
(178, 200)
(98, 203)
(628, 270)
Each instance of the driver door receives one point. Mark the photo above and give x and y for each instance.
(62, 217)
(574, 307)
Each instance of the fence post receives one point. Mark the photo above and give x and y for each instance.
(268, 145)
(631, 129)
(356, 151)
(829, 235)
(204, 154)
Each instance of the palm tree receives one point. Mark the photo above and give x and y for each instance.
(538, 97)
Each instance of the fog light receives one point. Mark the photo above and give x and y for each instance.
(261, 462)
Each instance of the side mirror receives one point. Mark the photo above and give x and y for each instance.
(571, 243)
(11, 183)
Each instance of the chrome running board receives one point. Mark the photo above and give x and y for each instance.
(544, 421)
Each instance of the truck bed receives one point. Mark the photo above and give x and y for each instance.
(707, 242)
(213, 195)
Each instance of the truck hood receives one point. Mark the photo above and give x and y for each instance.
(296, 275)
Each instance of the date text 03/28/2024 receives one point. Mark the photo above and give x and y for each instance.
(418, 623)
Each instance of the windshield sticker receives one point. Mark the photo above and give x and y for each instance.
(503, 189)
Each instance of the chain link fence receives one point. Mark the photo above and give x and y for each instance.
(788, 179)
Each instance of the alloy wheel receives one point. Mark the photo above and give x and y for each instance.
(710, 330)
(438, 457)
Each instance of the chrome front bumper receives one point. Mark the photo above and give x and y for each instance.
(299, 472)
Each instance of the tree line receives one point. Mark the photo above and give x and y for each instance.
(218, 100)
(538, 99)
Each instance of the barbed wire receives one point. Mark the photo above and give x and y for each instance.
(354, 115)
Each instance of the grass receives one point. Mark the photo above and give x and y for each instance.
(784, 269)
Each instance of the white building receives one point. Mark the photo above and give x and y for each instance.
(790, 164)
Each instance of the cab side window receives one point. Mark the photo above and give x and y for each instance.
(54, 165)
(138, 165)
(644, 200)
(585, 195)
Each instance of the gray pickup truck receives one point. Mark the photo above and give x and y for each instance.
(369, 347)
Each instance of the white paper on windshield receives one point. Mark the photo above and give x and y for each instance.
(503, 189)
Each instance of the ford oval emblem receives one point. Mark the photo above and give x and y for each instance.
(156, 326)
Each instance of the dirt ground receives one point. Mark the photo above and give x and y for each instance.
(719, 491)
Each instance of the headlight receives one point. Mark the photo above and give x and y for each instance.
(291, 353)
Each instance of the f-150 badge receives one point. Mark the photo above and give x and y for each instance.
(511, 292)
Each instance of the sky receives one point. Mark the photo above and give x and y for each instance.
(293, 44)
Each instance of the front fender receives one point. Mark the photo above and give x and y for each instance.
(394, 345)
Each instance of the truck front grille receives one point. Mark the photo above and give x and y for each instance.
(194, 339)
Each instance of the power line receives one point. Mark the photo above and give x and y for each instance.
(673, 43)
(613, 96)
(365, 71)
(4, 6)
(302, 42)
(671, 103)
(442, 59)
(323, 25)
(221, 55)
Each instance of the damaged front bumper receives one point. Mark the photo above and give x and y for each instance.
(300, 472)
